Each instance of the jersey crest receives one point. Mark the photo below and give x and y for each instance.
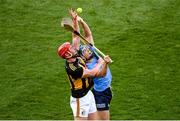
(72, 67)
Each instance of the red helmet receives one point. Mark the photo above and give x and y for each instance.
(63, 49)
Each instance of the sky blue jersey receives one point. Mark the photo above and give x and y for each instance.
(100, 83)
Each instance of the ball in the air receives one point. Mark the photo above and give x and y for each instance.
(79, 10)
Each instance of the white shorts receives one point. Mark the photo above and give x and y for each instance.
(83, 106)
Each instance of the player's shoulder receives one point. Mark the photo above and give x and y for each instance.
(71, 66)
(74, 69)
(75, 65)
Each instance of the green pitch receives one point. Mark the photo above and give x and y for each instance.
(141, 36)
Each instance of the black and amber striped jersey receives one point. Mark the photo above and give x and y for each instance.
(79, 86)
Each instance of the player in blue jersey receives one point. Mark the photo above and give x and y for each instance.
(102, 85)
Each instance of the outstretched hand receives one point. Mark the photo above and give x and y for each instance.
(73, 14)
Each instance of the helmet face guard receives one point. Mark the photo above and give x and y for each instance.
(85, 49)
(69, 56)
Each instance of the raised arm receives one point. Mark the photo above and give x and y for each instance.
(75, 38)
(86, 30)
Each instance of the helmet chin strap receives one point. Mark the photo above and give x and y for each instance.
(70, 55)
(74, 55)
